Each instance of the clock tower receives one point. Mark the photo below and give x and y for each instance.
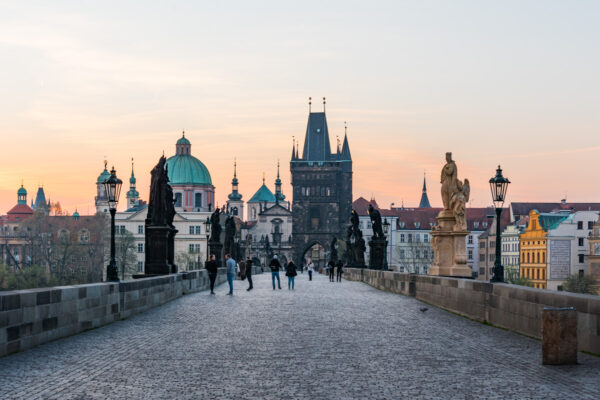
(594, 254)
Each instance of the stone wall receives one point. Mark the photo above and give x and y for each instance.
(32, 317)
(513, 307)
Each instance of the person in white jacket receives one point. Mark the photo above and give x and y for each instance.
(311, 268)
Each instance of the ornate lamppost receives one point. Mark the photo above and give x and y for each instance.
(498, 186)
(112, 187)
(207, 226)
(386, 230)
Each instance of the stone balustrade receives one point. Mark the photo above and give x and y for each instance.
(513, 307)
(32, 317)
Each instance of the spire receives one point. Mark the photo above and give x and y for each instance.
(278, 195)
(316, 141)
(234, 184)
(346, 147)
(293, 148)
(132, 179)
(424, 199)
(132, 195)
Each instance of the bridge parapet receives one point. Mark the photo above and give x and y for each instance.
(513, 307)
(32, 317)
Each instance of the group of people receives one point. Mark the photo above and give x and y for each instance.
(244, 268)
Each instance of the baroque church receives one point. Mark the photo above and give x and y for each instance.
(322, 191)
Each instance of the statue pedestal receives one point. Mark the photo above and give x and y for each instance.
(449, 246)
(158, 250)
(377, 253)
(216, 248)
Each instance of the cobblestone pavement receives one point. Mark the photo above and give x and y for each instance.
(321, 341)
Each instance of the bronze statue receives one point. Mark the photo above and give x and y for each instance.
(376, 222)
(448, 181)
(230, 229)
(215, 226)
(158, 208)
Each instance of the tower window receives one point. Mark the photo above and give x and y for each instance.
(198, 200)
(315, 217)
(177, 199)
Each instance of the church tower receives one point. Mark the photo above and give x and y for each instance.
(424, 199)
(322, 190)
(100, 199)
(235, 205)
(132, 195)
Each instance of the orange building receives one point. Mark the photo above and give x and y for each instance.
(534, 248)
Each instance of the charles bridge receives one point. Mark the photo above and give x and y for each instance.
(165, 337)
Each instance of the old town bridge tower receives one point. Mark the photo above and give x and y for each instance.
(322, 191)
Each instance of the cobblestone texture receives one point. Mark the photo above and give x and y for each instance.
(322, 341)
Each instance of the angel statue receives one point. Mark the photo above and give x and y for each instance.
(458, 202)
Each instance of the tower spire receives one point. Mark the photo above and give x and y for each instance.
(309, 104)
(324, 102)
(424, 203)
(278, 195)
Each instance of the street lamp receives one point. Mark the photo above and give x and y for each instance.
(498, 186)
(112, 188)
(207, 227)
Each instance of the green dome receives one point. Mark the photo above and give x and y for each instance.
(132, 193)
(22, 191)
(183, 140)
(103, 176)
(184, 169)
(263, 194)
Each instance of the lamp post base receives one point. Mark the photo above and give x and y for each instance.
(112, 274)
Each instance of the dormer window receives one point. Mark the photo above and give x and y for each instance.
(476, 224)
(417, 225)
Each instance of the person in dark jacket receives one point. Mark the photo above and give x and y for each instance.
(275, 266)
(249, 273)
(290, 272)
(212, 268)
(340, 270)
(331, 265)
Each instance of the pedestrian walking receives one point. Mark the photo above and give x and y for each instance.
(242, 270)
(331, 266)
(249, 273)
(340, 270)
(231, 267)
(213, 269)
(290, 272)
(275, 267)
(311, 268)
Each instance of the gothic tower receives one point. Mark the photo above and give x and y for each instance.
(322, 191)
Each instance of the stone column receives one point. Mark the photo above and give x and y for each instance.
(559, 336)
(449, 248)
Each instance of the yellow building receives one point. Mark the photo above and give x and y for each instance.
(534, 247)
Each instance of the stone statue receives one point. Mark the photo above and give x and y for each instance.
(448, 180)
(169, 201)
(334, 252)
(376, 222)
(359, 249)
(158, 208)
(355, 252)
(354, 220)
(230, 230)
(458, 202)
(215, 226)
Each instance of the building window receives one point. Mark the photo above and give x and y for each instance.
(579, 224)
(475, 224)
(192, 230)
(140, 247)
(402, 238)
(402, 253)
(140, 229)
(491, 257)
(198, 229)
(482, 244)
(410, 238)
(426, 238)
(417, 254)
(482, 257)
(470, 254)
(581, 258)
(140, 266)
(580, 240)
(198, 200)
(425, 254)
(417, 238)
(470, 239)
(590, 224)
(177, 199)
(122, 229)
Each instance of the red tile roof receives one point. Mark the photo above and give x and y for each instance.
(522, 209)
(19, 213)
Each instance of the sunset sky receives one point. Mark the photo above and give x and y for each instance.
(509, 82)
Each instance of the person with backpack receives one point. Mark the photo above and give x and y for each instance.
(249, 273)
(275, 267)
(290, 272)
(340, 270)
(213, 269)
(311, 268)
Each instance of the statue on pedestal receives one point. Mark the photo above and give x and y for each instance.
(375, 216)
(215, 226)
(355, 244)
(448, 236)
(230, 230)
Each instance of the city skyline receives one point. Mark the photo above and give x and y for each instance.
(511, 84)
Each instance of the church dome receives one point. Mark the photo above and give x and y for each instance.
(185, 169)
(22, 191)
(263, 194)
(103, 176)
